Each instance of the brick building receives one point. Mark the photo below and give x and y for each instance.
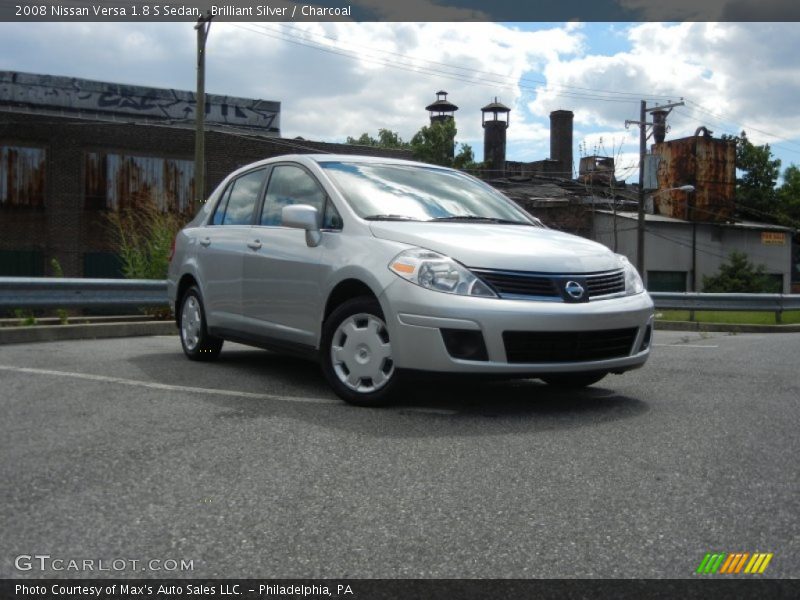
(73, 149)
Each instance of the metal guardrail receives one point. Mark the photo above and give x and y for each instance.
(746, 302)
(46, 292)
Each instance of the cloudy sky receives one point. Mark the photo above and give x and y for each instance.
(340, 79)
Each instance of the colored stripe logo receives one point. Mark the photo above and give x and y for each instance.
(734, 564)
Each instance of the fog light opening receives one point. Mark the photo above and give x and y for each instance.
(648, 334)
(465, 344)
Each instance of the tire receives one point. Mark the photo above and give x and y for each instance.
(195, 339)
(573, 381)
(356, 354)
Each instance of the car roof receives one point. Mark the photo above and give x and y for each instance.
(351, 158)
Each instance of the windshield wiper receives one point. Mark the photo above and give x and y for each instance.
(390, 218)
(478, 219)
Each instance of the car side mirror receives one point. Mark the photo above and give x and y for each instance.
(303, 216)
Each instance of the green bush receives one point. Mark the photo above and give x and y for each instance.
(63, 314)
(143, 236)
(739, 275)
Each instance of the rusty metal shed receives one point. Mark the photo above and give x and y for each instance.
(704, 162)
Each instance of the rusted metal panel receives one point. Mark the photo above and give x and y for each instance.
(707, 164)
(676, 167)
(716, 180)
(95, 180)
(119, 181)
(22, 176)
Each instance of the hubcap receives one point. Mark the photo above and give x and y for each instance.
(190, 323)
(361, 354)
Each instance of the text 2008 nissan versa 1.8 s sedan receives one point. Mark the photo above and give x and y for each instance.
(378, 267)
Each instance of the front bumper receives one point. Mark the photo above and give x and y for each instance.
(416, 316)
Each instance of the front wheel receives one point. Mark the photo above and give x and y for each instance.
(356, 353)
(573, 381)
(195, 339)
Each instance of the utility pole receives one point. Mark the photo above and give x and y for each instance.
(643, 126)
(202, 27)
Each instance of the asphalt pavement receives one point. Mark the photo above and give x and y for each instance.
(250, 466)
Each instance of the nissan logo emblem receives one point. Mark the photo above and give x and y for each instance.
(574, 289)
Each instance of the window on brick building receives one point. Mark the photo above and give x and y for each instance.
(102, 265)
(119, 181)
(22, 176)
(666, 281)
(21, 263)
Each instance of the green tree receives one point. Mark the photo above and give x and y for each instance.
(434, 143)
(385, 139)
(739, 275)
(789, 197)
(465, 159)
(365, 140)
(431, 144)
(755, 188)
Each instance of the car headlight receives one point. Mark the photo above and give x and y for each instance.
(633, 281)
(438, 272)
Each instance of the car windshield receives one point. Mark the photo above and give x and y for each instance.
(396, 192)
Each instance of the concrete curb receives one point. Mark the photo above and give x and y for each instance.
(724, 327)
(14, 322)
(55, 333)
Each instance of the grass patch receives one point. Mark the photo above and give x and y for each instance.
(736, 317)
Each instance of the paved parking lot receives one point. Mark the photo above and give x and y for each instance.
(251, 467)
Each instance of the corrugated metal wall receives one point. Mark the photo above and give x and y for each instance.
(22, 175)
(116, 181)
(706, 163)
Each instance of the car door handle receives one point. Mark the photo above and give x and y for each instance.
(205, 242)
(254, 245)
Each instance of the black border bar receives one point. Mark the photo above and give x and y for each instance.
(399, 11)
(701, 587)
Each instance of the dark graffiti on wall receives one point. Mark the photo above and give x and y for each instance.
(86, 97)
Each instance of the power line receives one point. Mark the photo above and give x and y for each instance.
(635, 95)
(507, 82)
(698, 110)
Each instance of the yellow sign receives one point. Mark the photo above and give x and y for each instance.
(773, 238)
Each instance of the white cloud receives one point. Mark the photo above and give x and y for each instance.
(398, 69)
(362, 77)
(325, 95)
(731, 74)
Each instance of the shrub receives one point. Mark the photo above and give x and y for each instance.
(739, 275)
(143, 236)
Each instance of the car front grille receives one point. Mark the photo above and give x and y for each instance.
(604, 284)
(522, 284)
(567, 346)
(509, 283)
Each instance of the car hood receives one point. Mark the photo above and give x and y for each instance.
(508, 247)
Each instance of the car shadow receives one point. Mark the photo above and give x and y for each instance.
(424, 407)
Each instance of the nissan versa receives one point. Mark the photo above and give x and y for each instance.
(379, 267)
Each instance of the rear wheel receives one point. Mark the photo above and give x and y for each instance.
(573, 381)
(195, 339)
(356, 353)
